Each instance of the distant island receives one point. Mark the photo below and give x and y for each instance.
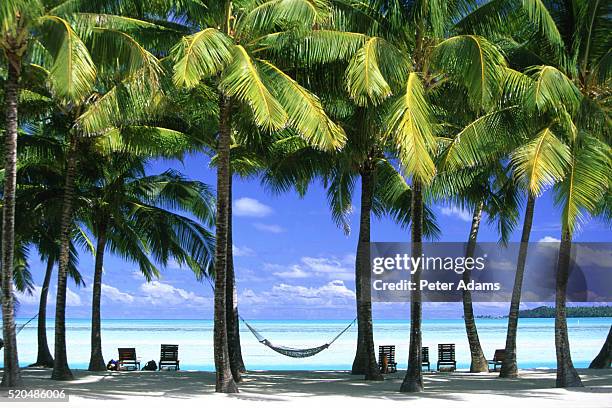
(579, 311)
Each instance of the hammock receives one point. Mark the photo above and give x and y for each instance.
(294, 352)
(18, 330)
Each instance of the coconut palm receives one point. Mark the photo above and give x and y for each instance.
(28, 27)
(409, 52)
(482, 190)
(604, 357)
(568, 62)
(233, 55)
(133, 215)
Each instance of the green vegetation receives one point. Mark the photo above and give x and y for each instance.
(482, 104)
(575, 311)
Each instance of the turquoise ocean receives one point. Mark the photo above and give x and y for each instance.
(535, 348)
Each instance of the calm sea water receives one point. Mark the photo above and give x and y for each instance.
(535, 347)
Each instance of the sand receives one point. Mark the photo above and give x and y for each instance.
(321, 389)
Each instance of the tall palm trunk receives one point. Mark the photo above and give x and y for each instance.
(96, 360)
(479, 361)
(61, 371)
(12, 376)
(224, 379)
(44, 359)
(363, 274)
(567, 376)
(413, 381)
(509, 368)
(233, 322)
(604, 358)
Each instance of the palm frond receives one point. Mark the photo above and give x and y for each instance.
(410, 126)
(242, 80)
(199, 56)
(541, 162)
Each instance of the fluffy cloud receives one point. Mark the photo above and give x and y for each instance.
(456, 212)
(158, 293)
(115, 295)
(72, 298)
(273, 228)
(250, 207)
(548, 238)
(242, 251)
(334, 268)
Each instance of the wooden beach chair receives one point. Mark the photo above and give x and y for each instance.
(386, 359)
(446, 356)
(169, 356)
(128, 360)
(498, 359)
(425, 358)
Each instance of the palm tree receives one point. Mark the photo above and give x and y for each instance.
(408, 54)
(293, 164)
(483, 190)
(233, 55)
(570, 75)
(25, 25)
(131, 213)
(40, 182)
(604, 357)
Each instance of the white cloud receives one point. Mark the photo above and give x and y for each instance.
(586, 256)
(273, 228)
(242, 251)
(329, 268)
(294, 272)
(157, 293)
(115, 295)
(548, 238)
(72, 299)
(250, 207)
(456, 212)
(330, 293)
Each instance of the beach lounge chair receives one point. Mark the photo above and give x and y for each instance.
(498, 358)
(386, 359)
(446, 356)
(425, 358)
(169, 356)
(128, 360)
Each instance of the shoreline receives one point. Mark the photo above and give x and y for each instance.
(297, 388)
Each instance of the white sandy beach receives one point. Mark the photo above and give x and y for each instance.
(323, 388)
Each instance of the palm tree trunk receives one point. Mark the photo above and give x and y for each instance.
(61, 371)
(233, 322)
(479, 361)
(44, 359)
(363, 273)
(567, 376)
(224, 379)
(413, 381)
(509, 368)
(96, 360)
(12, 376)
(604, 358)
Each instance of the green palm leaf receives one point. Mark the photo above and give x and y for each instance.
(410, 124)
(306, 114)
(541, 162)
(586, 182)
(364, 77)
(73, 72)
(200, 55)
(475, 63)
(241, 80)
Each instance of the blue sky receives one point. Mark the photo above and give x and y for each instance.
(292, 261)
